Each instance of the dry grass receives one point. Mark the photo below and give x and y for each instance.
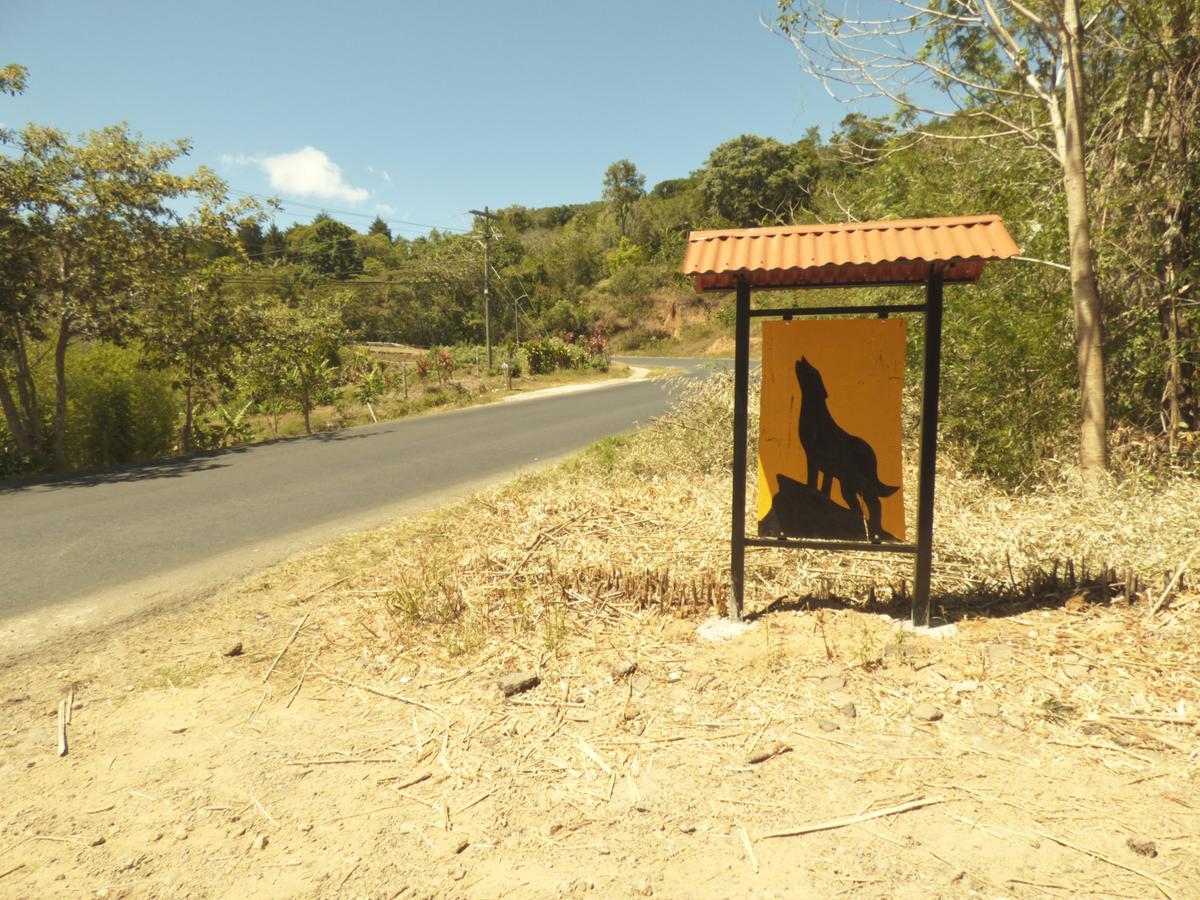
(380, 746)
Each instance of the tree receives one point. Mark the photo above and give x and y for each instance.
(274, 246)
(95, 227)
(250, 236)
(195, 328)
(752, 180)
(623, 187)
(295, 356)
(327, 247)
(380, 227)
(1021, 70)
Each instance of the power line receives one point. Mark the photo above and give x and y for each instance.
(346, 212)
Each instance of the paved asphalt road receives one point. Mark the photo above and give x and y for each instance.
(79, 551)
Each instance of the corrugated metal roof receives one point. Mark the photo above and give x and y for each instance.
(889, 252)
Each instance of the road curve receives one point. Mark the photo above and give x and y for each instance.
(83, 550)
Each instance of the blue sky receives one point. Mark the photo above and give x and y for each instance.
(417, 111)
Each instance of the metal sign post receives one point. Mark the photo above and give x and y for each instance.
(923, 549)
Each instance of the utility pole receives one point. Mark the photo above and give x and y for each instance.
(487, 216)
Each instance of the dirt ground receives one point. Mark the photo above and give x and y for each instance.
(357, 743)
(1005, 760)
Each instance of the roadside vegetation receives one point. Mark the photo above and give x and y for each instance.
(334, 724)
(225, 308)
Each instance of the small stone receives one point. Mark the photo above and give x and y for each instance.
(828, 725)
(832, 683)
(1075, 672)
(998, 654)
(551, 828)
(260, 842)
(848, 709)
(459, 873)
(181, 834)
(674, 676)
(177, 729)
(1142, 847)
(623, 668)
(517, 682)
(644, 888)
(1015, 721)
(966, 687)
(925, 711)
(630, 713)
(985, 707)
(1125, 740)
(641, 682)
(306, 827)
(98, 840)
(1091, 728)
(235, 650)
(687, 828)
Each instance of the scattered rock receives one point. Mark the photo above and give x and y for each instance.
(832, 683)
(306, 827)
(623, 668)
(630, 713)
(1075, 672)
(1125, 740)
(641, 682)
(985, 707)
(260, 842)
(1015, 721)
(1142, 847)
(998, 654)
(517, 682)
(235, 650)
(823, 672)
(181, 834)
(966, 687)
(98, 840)
(770, 751)
(644, 888)
(703, 680)
(551, 828)
(848, 709)
(447, 843)
(1091, 728)
(459, 873)
(828, 725)
(177, 729)
(674, 676)
(687, 828)
(925, 711)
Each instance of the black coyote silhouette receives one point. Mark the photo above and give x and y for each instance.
(835, 453)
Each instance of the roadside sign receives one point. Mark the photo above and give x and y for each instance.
(830, 462)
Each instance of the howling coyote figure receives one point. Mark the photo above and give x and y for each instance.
(835, 453)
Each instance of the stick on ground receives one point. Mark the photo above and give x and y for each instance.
(854, 820)
(285, 648)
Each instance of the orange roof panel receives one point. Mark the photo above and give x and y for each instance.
(854, 253)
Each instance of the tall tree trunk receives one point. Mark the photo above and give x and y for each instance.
(59, 448)
(1085, 293)
(12, 415)
(307, 406)
(185, 439)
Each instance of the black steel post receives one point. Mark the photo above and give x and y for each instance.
(929, 427)
(741, 391)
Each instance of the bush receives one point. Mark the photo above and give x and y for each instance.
(117, 410)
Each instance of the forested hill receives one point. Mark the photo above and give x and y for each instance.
(1084, 139)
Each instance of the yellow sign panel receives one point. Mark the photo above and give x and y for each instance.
(831, 413)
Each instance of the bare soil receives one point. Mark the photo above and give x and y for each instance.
(1047, 744)
(369, 765)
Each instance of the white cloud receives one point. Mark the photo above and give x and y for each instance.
(385, 208)
(309, 172)
(386, 175)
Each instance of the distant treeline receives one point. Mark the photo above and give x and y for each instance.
(223, 301)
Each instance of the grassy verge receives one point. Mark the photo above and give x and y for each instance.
(462, 390)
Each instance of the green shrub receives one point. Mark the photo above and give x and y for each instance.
(117, 411)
